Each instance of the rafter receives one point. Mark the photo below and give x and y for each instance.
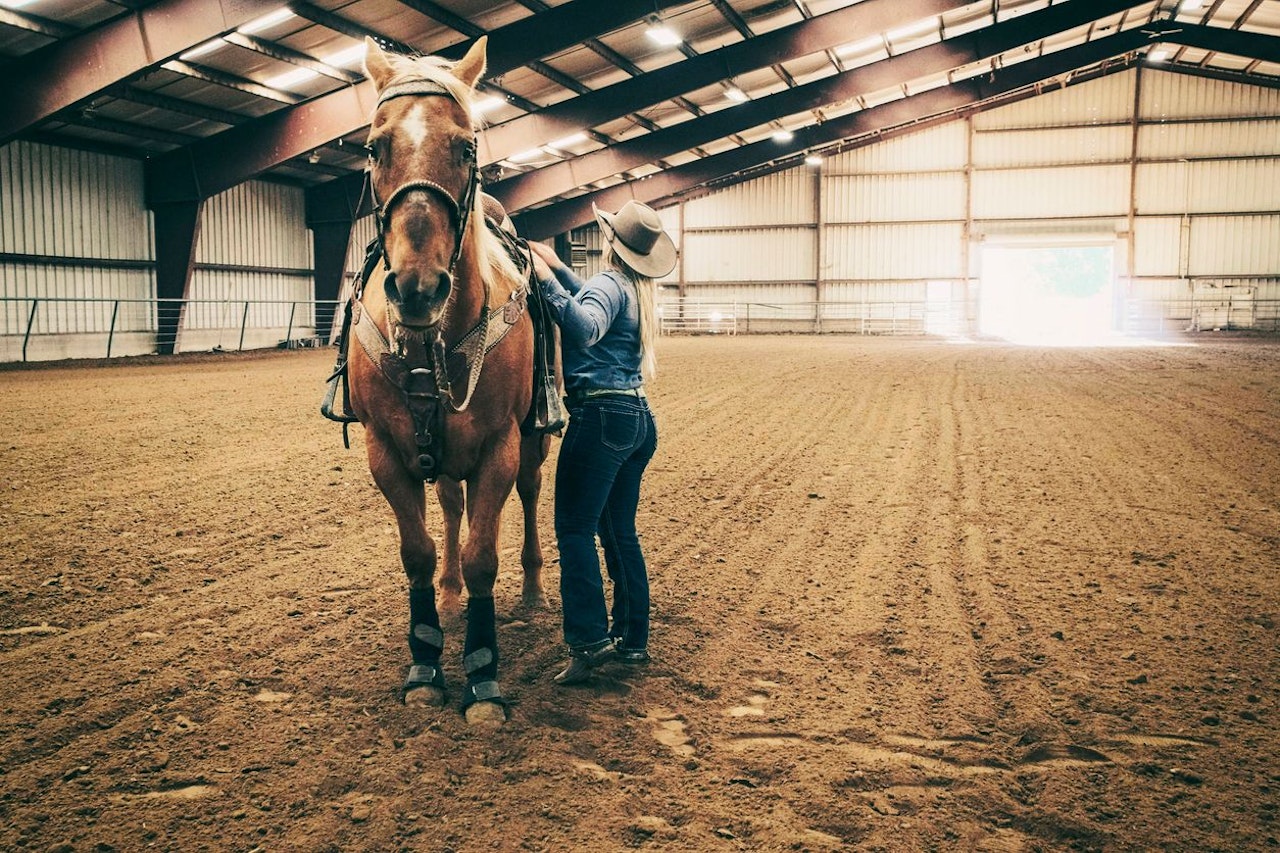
(236, 155)
(529, 188)
(73, 70)
(629, 96)
(932, 107)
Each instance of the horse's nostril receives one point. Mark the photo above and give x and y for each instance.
(443, 284)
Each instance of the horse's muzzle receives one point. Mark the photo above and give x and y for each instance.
(419, 299)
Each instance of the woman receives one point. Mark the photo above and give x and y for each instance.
(608, 327)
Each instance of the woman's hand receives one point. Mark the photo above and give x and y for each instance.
(546, 254)
(540, 267)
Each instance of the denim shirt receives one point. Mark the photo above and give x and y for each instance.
(599, 329)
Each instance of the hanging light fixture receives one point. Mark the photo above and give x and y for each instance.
(661, 34)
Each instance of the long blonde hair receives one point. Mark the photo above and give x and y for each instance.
(646, 297)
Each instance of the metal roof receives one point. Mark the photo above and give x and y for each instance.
(583, 103)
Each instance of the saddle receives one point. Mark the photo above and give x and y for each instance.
(546, 412)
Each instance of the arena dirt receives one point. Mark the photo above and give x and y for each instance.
(908, 595)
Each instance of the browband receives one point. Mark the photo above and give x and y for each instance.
(418, 86)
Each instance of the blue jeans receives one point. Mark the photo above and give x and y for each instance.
(609, 442)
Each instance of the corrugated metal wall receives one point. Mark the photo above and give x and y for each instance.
(877, 224)
(874, 224)
(74, 225)
(79, 229)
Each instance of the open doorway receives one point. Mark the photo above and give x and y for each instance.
(1051, 294)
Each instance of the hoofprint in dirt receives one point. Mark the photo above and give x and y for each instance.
(908, 595)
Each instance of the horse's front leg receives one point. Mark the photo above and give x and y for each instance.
(407, 497)
(533, 452)
(449, 493)
(487, 491)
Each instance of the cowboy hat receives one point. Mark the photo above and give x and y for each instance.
(635, 233)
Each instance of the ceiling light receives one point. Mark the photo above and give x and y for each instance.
(343, 58)
(1159, 55)
(867, 45)
(485, 105)
(570, 140)
(735, 94)
(292, 78)
(813, 160)
(920, 28)
(661, 34)
(526, 156)
(282, 14)
(208, 47)
(783, 136)
(1188, 5)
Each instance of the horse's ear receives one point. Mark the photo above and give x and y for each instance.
(470, 67)
(376, 65)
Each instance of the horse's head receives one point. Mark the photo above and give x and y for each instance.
(422, 171)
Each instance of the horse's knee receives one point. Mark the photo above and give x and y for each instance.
(419, 561)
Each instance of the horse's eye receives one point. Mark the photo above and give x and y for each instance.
(467, 151)
(376, 149)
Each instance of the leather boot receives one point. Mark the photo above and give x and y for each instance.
(583, 661)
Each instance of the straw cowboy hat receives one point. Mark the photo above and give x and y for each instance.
(635, 233)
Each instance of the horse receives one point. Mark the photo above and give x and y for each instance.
(443, 376)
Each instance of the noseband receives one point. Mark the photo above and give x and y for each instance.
(459, 209)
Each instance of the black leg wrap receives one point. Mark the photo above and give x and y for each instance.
(480, 658)
(426, 640)
(423, 675)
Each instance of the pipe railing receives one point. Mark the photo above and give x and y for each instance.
(94, 328)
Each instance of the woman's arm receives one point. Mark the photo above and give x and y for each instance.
(552, 265)
(584, 311)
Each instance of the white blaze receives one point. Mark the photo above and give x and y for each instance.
(414, 126)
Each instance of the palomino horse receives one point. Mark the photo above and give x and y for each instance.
(442, 378)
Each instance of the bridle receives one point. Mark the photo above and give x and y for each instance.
(459, 209)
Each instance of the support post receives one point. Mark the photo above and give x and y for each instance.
(111, 335)
(31, 319)
(244, 321)
(819, 226)
(331, 211)
(177, 227)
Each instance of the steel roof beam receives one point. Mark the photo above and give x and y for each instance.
(932, 107)
(71, 71)
(612, 102)
(534, 187)
(220, 162)
(35, 24)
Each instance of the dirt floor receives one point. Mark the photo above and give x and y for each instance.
(909, 595)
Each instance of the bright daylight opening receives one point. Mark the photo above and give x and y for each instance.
(1049, 295)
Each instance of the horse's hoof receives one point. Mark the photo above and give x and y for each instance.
(486, 714)
(426, 696)
(536, 600)
(450, 602)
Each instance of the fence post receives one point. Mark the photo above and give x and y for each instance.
(244, 320)
(288, 335)
(111, 334)
(31, 319)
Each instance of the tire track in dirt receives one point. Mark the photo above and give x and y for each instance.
(846, 517)
(1079, 521)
